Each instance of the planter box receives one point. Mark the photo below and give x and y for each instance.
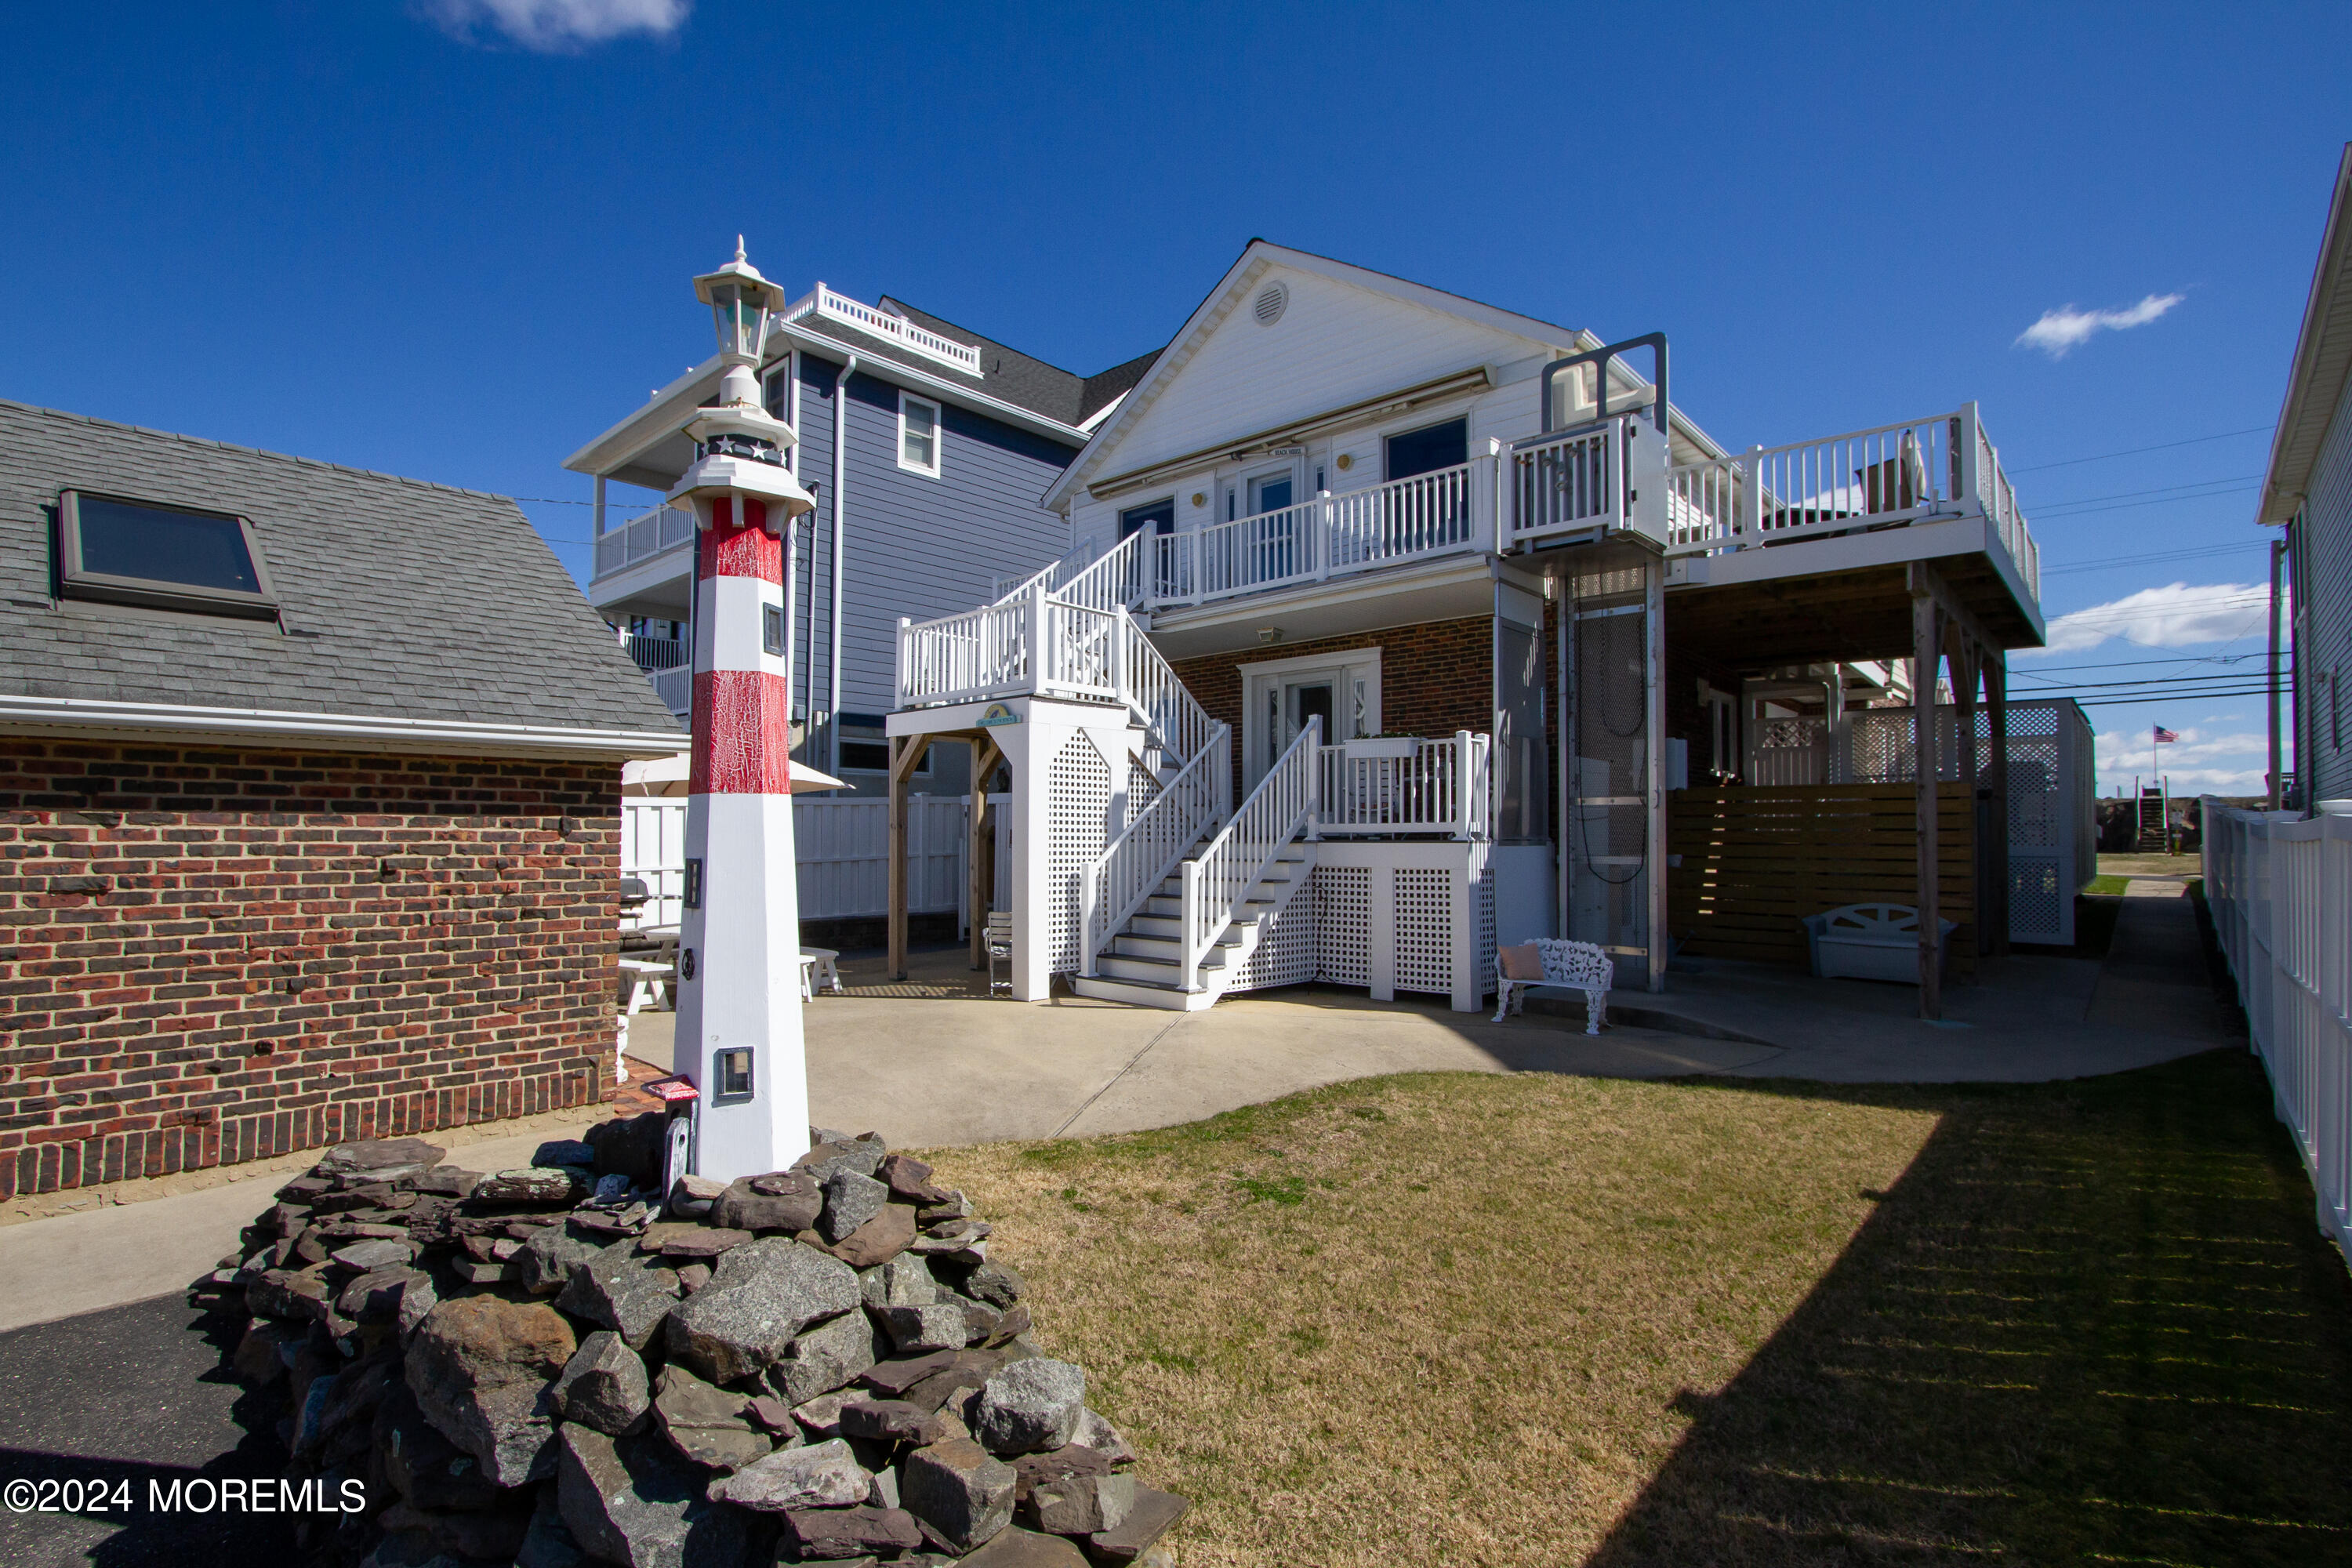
(1872, 941)
(1402, 747)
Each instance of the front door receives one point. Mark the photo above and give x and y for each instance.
(1301, 701)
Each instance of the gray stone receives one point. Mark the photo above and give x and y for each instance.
(786, 1202)
(524, 1184)
(443, 1182)
(604, 1385)
(623, 1292)
(823, 1475)
(938, 1326)
(485, 1534)
(709, 1425)
(690, 1196)
(367, 1257)
(827, 1357)
(633, 1501)
(259, 1358)
(981, 1322)
(1152, 1515)
(398, 1295)
(474, 1272)
(821, 1415)
(549, 1544)
(842, 1154)
(1093, 1432)
(692, 1243)
(830, 1534)
(885, 1490)
(1030, 1406)
(421, 1464)
(896, 1421)
(903, 1281)
(1056, 1465)
(760, 1297)
(483, 1371)
(561, 1151)
(545, 1263)
(955, 1205)
(379, 1155)
(1081, 1505)
(611, 1188)
(850, 1200)
(693, 1276)
(957, 1488)
(287, 1293)
(994, 1283)
(879, 1240)
(1018, 1548)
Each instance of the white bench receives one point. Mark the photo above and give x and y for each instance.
(1579, 965)
(648, 982)
(820, 971)
(1870, 941)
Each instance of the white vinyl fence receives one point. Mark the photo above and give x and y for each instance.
(845, 855)
(2280, 891)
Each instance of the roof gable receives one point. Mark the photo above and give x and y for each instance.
(1344, 334)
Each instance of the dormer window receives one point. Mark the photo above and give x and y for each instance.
(164, 557)
(919, 435)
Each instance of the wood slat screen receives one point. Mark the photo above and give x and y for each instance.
(1754, 860)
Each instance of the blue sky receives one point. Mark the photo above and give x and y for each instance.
(452, 238)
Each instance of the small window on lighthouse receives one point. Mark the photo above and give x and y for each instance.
(732, 1073)
(919, 435)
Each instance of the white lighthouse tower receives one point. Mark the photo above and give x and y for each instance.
(739, 1009)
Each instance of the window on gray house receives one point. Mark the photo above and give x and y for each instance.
(1429, 448)
(164, 557)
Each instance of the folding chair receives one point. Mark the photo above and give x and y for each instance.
(1000, 950)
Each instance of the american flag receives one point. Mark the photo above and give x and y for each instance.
(2163, 734)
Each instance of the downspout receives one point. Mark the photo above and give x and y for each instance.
(840, 483)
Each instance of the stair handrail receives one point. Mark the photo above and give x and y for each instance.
(1136, 862)
(1170, 715)
(1113, 580)
(1218, 881)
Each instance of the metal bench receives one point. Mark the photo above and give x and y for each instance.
(1579, 965)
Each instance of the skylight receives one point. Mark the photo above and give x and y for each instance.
(164, 557)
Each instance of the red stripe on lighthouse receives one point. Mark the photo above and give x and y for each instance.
(740, 551)
(742, 732)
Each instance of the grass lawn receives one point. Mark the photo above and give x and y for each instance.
(2107, 887)
(1524, 1319)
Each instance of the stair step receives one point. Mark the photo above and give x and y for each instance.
(1141, 993)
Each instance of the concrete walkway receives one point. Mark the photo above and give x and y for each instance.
(931, 1061)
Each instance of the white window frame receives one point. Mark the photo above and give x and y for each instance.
(931, 470)
(1347, 667)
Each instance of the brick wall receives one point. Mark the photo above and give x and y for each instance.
(1435, 678)
(209, 956)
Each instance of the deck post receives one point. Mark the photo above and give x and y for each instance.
(979, 850)
(1996, 679)
(1653, 746)
(906, 752)
(1926, 652)
(1966, 659)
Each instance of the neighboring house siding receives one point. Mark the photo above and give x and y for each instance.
(2324, 650)
(213, 955)
(923, 547)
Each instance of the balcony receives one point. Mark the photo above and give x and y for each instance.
(822, 301)
(1384, 789)
(641, 539)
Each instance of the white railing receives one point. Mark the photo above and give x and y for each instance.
(651, 654)
(979, 654)
(1428, 514)
(1921, 470)
(2280, 890)
(1084, 653)
(673, 687)
(1139, 859)
(1569, 482)
(1217, 883)
(1440, 787)
(1113, 580)
(1177, 723)
(822, 301)
(642, 538)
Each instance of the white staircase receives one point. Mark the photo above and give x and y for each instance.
(1144, 963)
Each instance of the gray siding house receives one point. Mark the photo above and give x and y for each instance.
(2308, 491)
(929, 448)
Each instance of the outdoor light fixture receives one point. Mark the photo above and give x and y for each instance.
(1269, 633)
(743, 305)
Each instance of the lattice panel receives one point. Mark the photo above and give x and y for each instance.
(1143, 788)
(1425, 929)
(1343, 924)
(1079, 816)
(1286, 952)
(1484, 894)
(2035, 900)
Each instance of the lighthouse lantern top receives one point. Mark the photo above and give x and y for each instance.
(743, 305)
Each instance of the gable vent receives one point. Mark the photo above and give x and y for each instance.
(1271, 302)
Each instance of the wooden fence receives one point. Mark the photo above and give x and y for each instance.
(1750, 861)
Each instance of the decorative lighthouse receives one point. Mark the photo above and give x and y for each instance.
(739, 1037)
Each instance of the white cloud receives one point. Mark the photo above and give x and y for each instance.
(2065, 328)
(554, 26)
(2177, 616)
(2200, 762)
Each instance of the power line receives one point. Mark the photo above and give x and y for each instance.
(2157, 490)
(2105, 563)
(2136, 452)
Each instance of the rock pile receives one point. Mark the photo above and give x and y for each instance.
(563, 1365)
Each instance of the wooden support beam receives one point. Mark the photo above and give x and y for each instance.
(905, 755)
(979, 857)
(1926, 652)
(1964, 656)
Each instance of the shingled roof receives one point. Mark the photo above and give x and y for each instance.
(1005, 373)
(399, 600)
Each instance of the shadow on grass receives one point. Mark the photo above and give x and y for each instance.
(2093, 1322)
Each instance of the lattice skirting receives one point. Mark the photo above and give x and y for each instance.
(1078, 827)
